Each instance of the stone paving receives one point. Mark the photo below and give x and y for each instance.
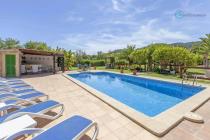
(112, 124)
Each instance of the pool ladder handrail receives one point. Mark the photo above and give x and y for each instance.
(195, 77)
(185, 77)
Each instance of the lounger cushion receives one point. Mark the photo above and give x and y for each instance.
(26, 97)
(5, 95)
(11, 83)
(65, 130)
(33, 108)
(19, 92)
(32, 95)
(16, 87)
(19, 86)
(12, 80)
(23, 91)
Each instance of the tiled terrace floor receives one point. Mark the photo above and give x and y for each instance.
(112, 125)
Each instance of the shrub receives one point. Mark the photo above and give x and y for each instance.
(97, 62)
(157, 69)
(85, 61)
(122, 62)
(134, 66)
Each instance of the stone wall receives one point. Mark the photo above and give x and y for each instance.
(40, 60)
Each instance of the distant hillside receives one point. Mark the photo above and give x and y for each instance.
(187, 44)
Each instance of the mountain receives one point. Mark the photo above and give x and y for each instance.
(187, 44)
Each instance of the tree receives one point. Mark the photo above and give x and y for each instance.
(150, 50)
(121, 62)
(205, 49)
(58, 49)
(100, 55)
(2, 45)
(79, 55)
(167, 55)
(69, 58)
(10, 43)
(126, 53)
(37, 46)
(30, 45)
(161, 55)
(139, 56)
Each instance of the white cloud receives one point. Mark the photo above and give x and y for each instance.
(74, 17)
(129, 6)
(124, 21)
(121, 5)
(71, 18)
(116, 5)
(185, 3)
(143, 36)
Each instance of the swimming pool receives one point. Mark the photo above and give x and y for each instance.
(147, 96)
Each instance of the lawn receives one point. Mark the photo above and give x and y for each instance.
(196, 71)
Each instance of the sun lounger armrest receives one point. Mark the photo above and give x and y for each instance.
(96, 131)
(27, 131)
(93, 124)
(40, 115)
(47, 97)
(9, 106)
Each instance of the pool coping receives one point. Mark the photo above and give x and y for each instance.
(158, 125)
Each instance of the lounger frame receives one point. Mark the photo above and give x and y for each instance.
(40, 114)
(39, 131)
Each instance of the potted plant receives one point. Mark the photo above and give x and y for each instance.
(122, 70)
(134, 72)
(65, 68)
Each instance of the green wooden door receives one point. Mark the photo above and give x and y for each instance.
(10, 65)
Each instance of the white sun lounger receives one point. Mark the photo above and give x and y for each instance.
(36, 110)
(19, 92)
(16, 88)
(9, 99)
(72, 128)
(13, 126)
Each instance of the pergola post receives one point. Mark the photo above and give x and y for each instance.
(54, 64)
(62, 67)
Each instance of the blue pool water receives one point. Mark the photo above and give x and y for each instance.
(150, 97)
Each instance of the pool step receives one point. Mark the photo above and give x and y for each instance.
(193, 117)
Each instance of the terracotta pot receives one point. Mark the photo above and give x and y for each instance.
(122, 71)
(134, 72)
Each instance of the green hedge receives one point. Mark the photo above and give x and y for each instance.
(97, 63)
(85, 61)
(122, 62)
(93, 62)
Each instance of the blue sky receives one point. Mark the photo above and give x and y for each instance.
(103, 25)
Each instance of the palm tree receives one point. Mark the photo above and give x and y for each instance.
(37, 45)
(12, 43)
(2, 45)
(69, 58)
(205, 49)
(127, 52)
